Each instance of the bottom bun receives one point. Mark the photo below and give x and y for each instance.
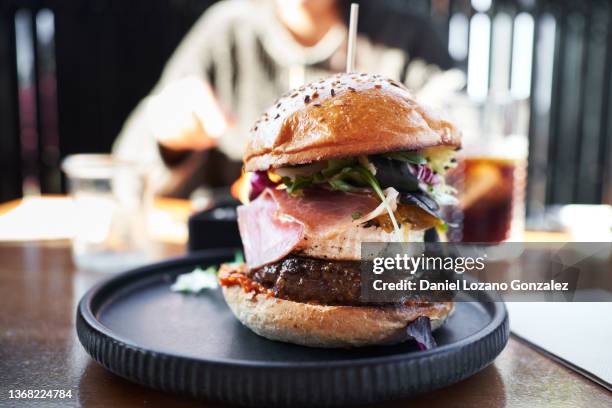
(329, 326)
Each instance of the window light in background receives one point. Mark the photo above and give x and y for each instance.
(501, 53)
(522, 51)
(478, 58)
(458, 29)
(481, 5)
(545, 49)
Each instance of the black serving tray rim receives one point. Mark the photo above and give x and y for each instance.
(85, 311)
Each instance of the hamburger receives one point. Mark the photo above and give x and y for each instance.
(349, 159)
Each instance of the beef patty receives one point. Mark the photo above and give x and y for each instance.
(310, 280)
(325, 282)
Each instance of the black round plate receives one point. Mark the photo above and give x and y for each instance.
(137, 328)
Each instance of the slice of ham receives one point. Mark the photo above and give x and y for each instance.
(324, 213)
(274, 224)
(265, 237)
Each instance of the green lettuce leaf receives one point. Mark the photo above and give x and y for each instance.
(408, 157)
(196, 281)
(200, 279)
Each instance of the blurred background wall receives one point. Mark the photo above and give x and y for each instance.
(71, 72)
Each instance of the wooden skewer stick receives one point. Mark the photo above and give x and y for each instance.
(352, 38)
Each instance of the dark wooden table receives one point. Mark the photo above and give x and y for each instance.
(39, 291)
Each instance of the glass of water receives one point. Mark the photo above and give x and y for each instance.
(109, 212)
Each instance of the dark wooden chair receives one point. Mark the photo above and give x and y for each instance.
(70, 73)
(10, 162)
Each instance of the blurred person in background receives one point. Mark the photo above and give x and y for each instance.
(240, 56)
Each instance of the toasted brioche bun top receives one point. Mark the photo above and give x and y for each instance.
(343, 116)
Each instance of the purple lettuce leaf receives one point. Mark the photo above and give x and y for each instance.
(259, 182)
(424, 173)
(420, 331)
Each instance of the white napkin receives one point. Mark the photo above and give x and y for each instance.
(578, 335)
